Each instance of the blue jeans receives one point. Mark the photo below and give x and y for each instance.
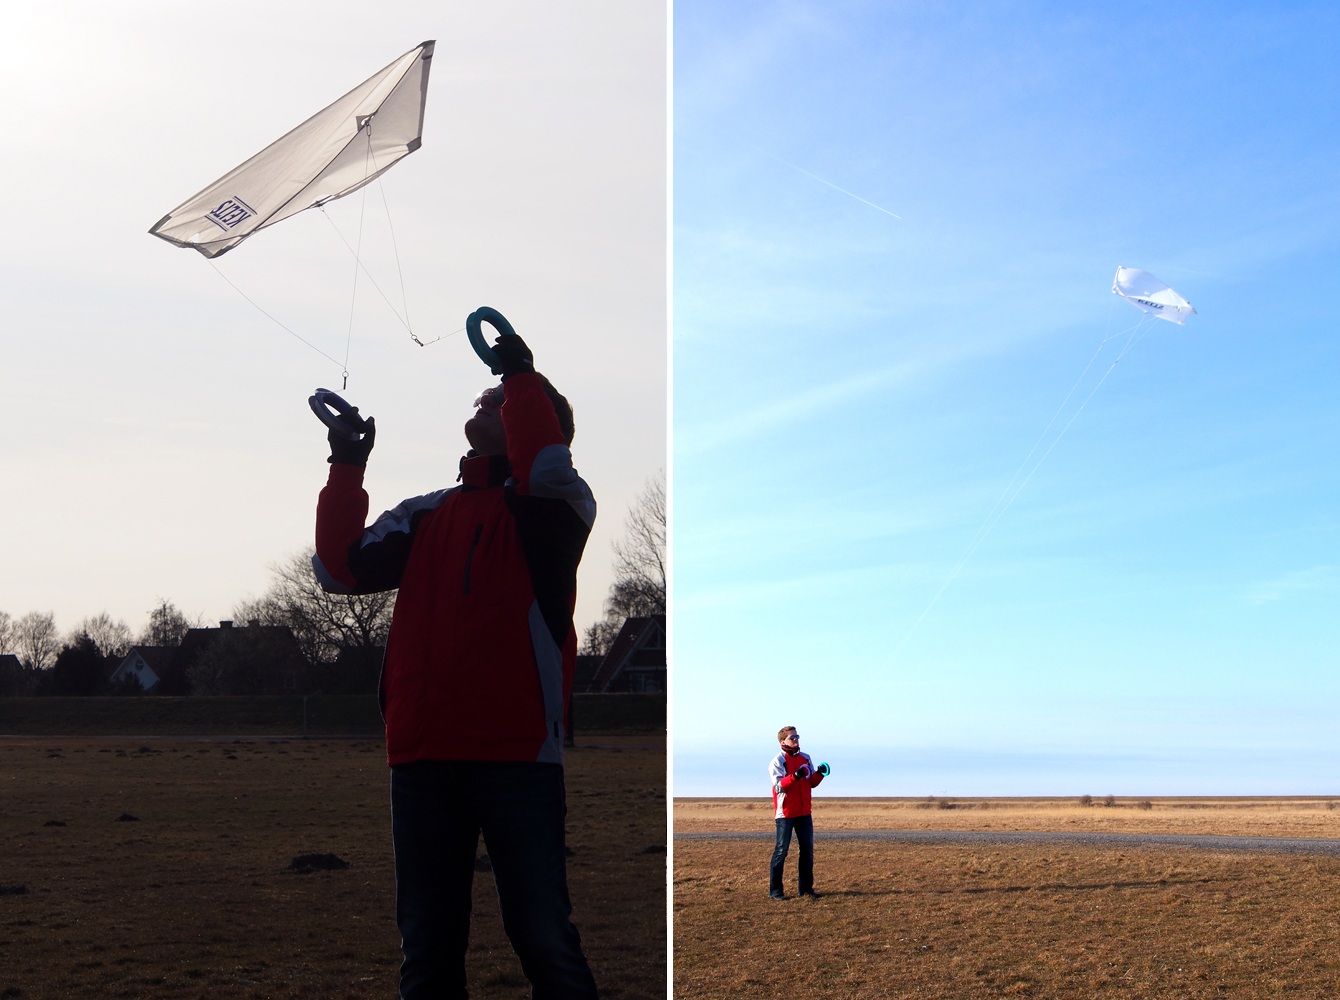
(804, 828)
(438, 810)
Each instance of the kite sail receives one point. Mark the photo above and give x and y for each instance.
(1144, 291)
(334, 153)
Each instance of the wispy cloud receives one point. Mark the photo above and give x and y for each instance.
(732, 429)
(1302, 581)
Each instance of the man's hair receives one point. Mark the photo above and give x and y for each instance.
(781, 733)
(561, 407)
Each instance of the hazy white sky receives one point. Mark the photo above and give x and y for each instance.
(157, 438)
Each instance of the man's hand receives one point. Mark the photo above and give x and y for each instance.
(803, 771)
(514, 356)
(346, 452)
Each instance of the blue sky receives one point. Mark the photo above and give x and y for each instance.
(1156, 612)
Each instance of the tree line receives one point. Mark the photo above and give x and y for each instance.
(338, 637)
(327, 642)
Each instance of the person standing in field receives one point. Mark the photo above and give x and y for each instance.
(479, 663)
(793, 775)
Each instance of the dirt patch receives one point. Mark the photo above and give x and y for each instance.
(196, 899)
(955, 921)
(1260, 816)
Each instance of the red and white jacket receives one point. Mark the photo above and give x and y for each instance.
(480, 657)
(790, 794)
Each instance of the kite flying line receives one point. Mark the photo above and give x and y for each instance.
(1007, 497)
(1156, 301)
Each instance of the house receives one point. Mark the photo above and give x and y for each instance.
(16, 680)
(636, 660)
(148, 664)
(257, 659)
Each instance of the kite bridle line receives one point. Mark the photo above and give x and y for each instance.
(358, 261)
(395, 246)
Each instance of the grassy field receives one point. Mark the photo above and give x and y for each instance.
(953, 921)
(1243, 816)
(323, 715)
(195, 898)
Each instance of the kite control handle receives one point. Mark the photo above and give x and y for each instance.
(486, 314)
(824, 769)
(344, 420)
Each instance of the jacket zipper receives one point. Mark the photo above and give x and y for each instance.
(474, 542)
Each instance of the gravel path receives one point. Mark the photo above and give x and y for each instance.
(1307, 845)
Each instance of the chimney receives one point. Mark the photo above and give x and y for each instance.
(225, 624)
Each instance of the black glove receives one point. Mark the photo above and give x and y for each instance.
(514, 356)
(346, 452)
(803, 771)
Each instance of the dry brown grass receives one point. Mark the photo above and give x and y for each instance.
(945, 920)
(1261, 816)
(195, 899)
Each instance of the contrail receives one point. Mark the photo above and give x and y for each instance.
(835, 187)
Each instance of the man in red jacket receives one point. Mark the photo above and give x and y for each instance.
(793, 775)
(479, 663)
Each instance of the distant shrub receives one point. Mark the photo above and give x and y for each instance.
(1110, 801)
(1145, 804)
(1086, 800)
(944, 804)
(1330, 805)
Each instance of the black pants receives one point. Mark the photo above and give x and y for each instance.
(438, 810)
(804, 828)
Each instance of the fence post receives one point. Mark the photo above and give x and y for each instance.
(304, 716)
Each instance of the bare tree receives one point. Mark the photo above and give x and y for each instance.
(167, 626)
(323, 623)
(113, 638)
(6, 633)
(639, 568)
(36, 638)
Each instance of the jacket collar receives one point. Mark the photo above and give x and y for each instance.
(480, 472)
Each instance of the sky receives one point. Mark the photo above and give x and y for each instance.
(158, 441)
(896, 227)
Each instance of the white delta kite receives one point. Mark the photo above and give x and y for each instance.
(334, 153)
(1144, 291)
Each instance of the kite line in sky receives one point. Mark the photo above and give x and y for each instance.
(1152, 297)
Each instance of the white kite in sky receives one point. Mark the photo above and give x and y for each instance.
(1144, 291)
(332, 154)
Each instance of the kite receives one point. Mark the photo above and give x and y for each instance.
(1144, 291)
(334, 153)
